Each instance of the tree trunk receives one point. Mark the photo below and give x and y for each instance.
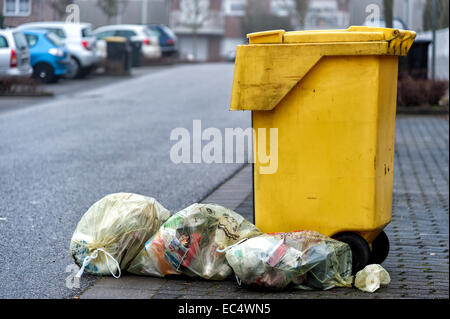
(388, 12)
(194, 43)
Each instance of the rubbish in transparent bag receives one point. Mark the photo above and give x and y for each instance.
(113, 231)
(305, 259)
(191, 242)
(371, 278)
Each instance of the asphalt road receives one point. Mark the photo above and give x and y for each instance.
(66, 88)
(60, 156)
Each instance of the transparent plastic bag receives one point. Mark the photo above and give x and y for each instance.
(113, 231)
(190, 242)
(371, 278)
(305, 259)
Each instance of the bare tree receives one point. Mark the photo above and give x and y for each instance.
(388, 12)
(194, 14)
(111, 8)
(257, 19)
(301, 8)
(442, 14)
(60, 7)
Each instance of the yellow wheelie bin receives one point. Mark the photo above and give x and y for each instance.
(330, 98)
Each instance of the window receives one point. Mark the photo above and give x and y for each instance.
(59, 32)
(104, 34)
(31, 39)
(20, 40)
(153, 31)
(17, 8)
(54, 39)
(86, 32)
(3, 42)
(282, 8)
(235, 7)
(125, 33)
(169, 32)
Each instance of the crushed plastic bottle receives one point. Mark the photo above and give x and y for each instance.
(371, 278)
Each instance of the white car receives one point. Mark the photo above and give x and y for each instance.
(133, 32)
(14, 54)
(79, 42)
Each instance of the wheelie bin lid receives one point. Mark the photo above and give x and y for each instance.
(352, 34)
(115, 39)
(275, 61)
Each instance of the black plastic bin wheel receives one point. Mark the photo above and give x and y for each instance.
(380, 248)
(360, 249)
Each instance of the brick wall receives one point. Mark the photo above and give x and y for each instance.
(41, 10)
(233, 26)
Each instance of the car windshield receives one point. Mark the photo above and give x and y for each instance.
(151, 32)
(154, 30)
(59, 32)
(31, 39)
(54, 39)
(20, 40)
(169, 32)
(86, 32)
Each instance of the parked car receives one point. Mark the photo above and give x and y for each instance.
(133, 32)
(79, 42)
(48, 56)
(167, 39)
(14, 54)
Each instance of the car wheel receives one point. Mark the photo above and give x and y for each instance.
(74, 69)
(44, 72)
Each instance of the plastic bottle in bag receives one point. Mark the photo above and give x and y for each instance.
(190, 242)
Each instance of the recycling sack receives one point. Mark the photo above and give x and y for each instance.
(113, 231)
(305, 259)
(191, 242)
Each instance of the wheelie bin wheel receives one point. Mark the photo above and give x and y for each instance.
(380, 249)
(360, 249)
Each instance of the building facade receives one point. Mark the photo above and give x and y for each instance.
(129, 12)
(210, 30)
(16, 12)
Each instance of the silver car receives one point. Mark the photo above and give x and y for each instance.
(79, 42)
(134, 32)
(14, 54)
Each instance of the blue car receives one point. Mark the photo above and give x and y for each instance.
(167, 39)
(48, 56)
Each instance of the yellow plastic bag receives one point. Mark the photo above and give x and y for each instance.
(113, 231)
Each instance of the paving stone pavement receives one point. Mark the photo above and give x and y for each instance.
(418, 262)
